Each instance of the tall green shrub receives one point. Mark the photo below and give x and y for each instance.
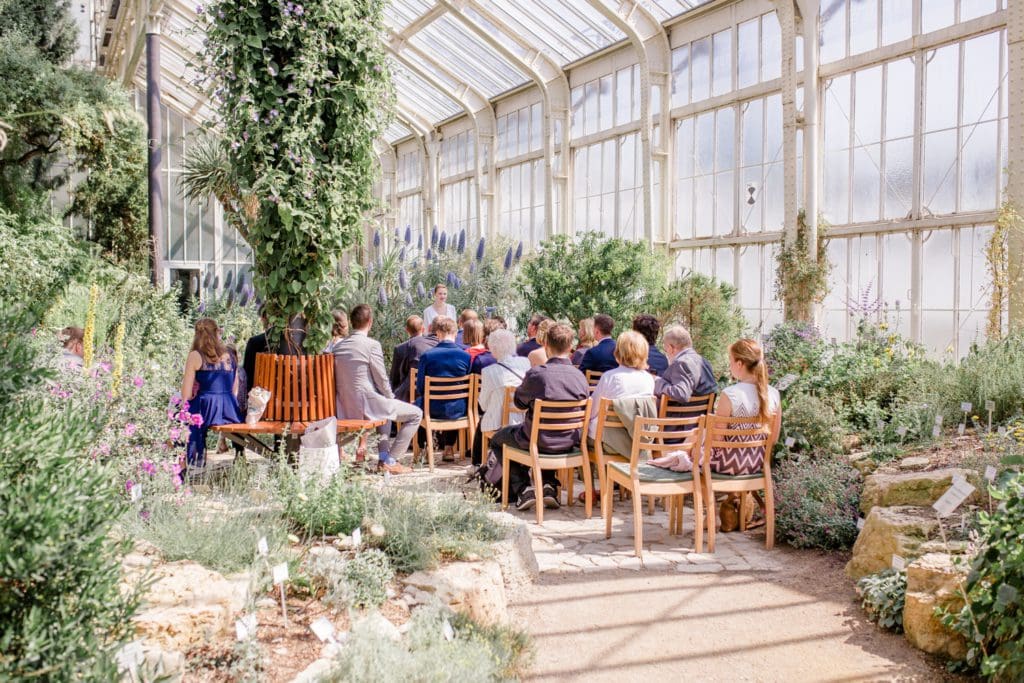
(575, 279)
(304, 92)
(62, 610)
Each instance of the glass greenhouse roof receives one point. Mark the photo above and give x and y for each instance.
(441, 49)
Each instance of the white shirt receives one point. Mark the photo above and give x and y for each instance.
(744, 400)
(493, 380)
(620, 382)
(429, 314)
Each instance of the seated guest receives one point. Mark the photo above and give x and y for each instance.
(362, 390)
(585, 334)
(339, 330)
(556, 380)
(648, 326)
(444, 360)
(601, 358)
(211, 381)
(473, 338)
(256, 344)
(531, 343)
(538, 356)
(751, 396)
(407, 355)
(464, 317)
(507, 371)
(487, 357)
(688, 373)
(73, 341)
(629, 379)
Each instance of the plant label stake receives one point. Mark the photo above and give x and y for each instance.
(990, 406)
(136, 493)
(899, 563)
(387, 478)
(1001, 432)
(280, 576)
(448, 631)
(880, 425)
(961, 428)
(860, 523)
(323, 629)
(261, 547)
(965, 407)
(936, 431)
(901, 431)
(245, 628)
(790, 442)
(990, 474)
(357, 537)
(938, 420)
(960, 490)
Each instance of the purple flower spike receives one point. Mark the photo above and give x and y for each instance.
(430, 255)
(403, 280)
(382, 296)
(451, 278)
(433, 236)
(419, 243)
(508, 258)
(480, 250)
(401, 255)
(472, 267)
(408, 300)
(376, 238)
(462, 241)
(443, 242)
(519, 252)
(408, 234)
(420, 292)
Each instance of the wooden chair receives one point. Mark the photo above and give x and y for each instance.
(640, 479)
(697, 405)
(412, 385)
(553, 416)
(607, 418)
(444, 389)
(508, 407)
(733, 432)
(301, 391)
(593, 377)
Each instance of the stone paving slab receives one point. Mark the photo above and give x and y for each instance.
(568, 543)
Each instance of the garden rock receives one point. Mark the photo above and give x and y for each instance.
(890, 531)
(932, 581)
(474, 588)
(167, 666)
(314, 672)
(188, 604)
(376, 624)
(914, 462)
(515, 553)
(863, 462)
(910, 488)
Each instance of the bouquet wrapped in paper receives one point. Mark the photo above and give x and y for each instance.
(258, 400)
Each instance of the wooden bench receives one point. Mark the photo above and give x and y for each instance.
(301, 392)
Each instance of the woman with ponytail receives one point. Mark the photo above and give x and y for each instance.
(211, 380)
(750, 396)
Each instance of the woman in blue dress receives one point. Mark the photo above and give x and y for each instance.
(211, 379)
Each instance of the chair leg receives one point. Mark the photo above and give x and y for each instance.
(680, 508)
(504, 481)
(743, 507)
(698, 520)
(570, 486)
(638, 525)
(769, 516)
(538, 492)
(710, 508)
(650, 505)
(430, 449)
(606, 512)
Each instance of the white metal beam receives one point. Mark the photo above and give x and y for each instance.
(1015, 162)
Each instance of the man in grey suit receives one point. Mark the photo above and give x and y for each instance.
(362, 390)
(688, 373)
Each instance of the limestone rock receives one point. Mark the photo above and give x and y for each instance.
(515, 553)
(474, 588)
(188, 604)
(914, 462)
(932, 581)
(315, 671)
(909, 488)
(890, 531)
(376, 624)
(862, 462)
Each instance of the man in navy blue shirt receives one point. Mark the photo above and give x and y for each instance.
(531, 343)
(601, 356)
(444, 360)
(648, 326)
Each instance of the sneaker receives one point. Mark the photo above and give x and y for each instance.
(551, 497)
(449, 454)
(526, 499)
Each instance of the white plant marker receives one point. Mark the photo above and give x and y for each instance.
(899, 563)
(323, 629)
(261, 547)
(357, 537)
(136, 493)
(990, 406)
(965, 407)
(448, 631)
(936, 431)
(880, 425)
(938, 420)
(960, 490)
(280, 576)
(790, 442)
(961, 428)
(387, 478)
(1001, 432)
(860, 522)
(245, 628)
(990, 473)
(901, 431)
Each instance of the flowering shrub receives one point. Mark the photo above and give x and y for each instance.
(795, 348)
(812, 424)
(816, 503)
(398, 280)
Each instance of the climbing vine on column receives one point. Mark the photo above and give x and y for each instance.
(800, 279)
(303, 90)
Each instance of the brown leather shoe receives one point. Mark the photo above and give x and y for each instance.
(394, 468)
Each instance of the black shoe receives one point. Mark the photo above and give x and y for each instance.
(551, 497)
(526, 499)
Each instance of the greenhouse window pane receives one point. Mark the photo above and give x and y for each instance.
(971, 9)
(701, 69)
(897, 20)
(771, 47)
(568, 30)
(899, 98)
(832, 39)
(981, 80)
(722, 62)
(939, 14)
(899, 177)
(605, 103)
(941, 101)
(864, 25)
(468, 55)
(979, 170)
(753, 123)
(938, 258)
(939, 174)
(748, 52)
(866, 181)
(868, 107)
(681, 76)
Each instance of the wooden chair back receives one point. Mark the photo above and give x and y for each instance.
(550, 416)
(659, 436)
(697, 405)
(736, 432)
(301, 387)
(449, 389)
(508, 406)
(593, 377)
(412, 385)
